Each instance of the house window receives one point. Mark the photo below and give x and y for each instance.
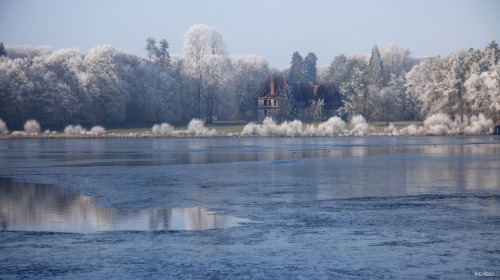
(265, 113)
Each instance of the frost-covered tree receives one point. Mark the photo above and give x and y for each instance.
(482, 91)
(490, 56)
(340, 69)
(317, 111)
(250, 72)
(216, 73)
(462, 84)
(424, 84)
(405, 107)
(396, 61)
(286, 110)
(375, 68)
(296, 73)
(473, 56)
(14, 87)
(102, 86)
(201, 41)
(358, 96)
(388, 104)
(453, 79)
(310, 73)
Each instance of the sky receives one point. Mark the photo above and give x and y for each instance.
(273, 29)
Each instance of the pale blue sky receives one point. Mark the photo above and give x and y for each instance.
(270, 28)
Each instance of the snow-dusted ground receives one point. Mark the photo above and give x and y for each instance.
(306, 208)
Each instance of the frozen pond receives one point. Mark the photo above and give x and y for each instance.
(250, 208)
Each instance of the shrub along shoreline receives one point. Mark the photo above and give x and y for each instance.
(435, 125)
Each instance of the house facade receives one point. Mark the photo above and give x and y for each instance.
(304, 94)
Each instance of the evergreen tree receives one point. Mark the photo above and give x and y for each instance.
(286, 110)
(296, 73)
(2, 50)
(375, 68)
(310, 74)
(159, 55)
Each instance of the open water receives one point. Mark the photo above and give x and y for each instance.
(250, 208)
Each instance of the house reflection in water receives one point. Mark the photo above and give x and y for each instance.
(40, 207)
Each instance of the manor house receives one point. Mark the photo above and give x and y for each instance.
(303, 93)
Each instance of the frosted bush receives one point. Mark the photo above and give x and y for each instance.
(3, 128)
(438, 129)
(412, 130)
(197, 128)
(251, 129)
(391, 130)
(291, 129)
(456, 127)
(166, 129)
(97, 130)
(334, 126)
(359, 126)
(310, 130)
(163, 129)
(156, 129)
(74, 130)
(479, 125)
(268, 128)
(438, 124)
(69, 130)
(32, 127)
(18, 133)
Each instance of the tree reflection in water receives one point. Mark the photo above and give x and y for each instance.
(42, 207)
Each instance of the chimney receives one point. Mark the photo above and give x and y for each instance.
(272, 84)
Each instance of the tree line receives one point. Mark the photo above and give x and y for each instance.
(105, 86)
(391, 84)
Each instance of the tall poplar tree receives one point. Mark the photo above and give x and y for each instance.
(375, 68)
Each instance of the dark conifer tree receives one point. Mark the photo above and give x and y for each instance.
(159, 55)
(310, 74)
(296, 73)
(2, 50)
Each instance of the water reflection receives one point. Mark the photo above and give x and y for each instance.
(176, 154)
(41, 207)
